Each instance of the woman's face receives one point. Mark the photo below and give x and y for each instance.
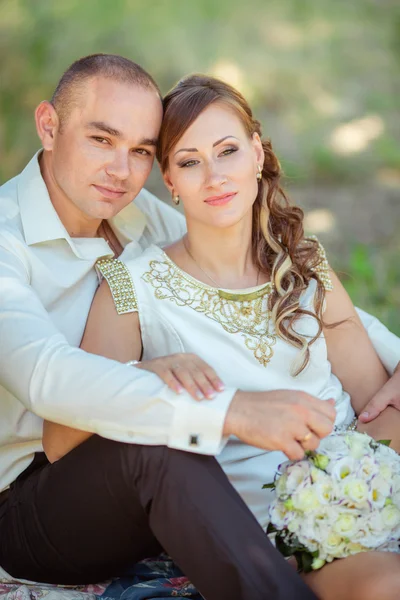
(213, 168)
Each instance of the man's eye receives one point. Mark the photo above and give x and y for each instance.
(143, 152)
(101, 140)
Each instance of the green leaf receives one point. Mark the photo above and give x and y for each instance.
(384, 442)
(268, 486)
(304, 561)
(283, 548)
(271, 528)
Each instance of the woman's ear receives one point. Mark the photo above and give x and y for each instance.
(258, 149)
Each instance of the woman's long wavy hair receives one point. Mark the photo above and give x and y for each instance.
(278, 243)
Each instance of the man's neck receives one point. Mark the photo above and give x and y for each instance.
(75, 222)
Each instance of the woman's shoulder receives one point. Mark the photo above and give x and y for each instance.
(123, 275)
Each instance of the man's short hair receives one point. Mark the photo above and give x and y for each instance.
(111, 66)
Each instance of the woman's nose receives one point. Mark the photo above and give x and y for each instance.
(214, 176)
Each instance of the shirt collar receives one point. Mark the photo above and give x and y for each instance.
(41, 222)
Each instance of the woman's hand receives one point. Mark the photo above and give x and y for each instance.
(185, 371)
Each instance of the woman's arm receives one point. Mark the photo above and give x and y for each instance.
(107, 334)
(350, 351)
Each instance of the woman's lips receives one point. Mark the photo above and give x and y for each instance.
(220, 200)
(109, 192)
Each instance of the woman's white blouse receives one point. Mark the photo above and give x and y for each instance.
(178, 313)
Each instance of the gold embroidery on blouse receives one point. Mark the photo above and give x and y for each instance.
(323, 269)
(244, 314)
(118, 277)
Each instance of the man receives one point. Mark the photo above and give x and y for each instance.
(113, 501)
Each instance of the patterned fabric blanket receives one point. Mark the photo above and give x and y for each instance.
(147, 580)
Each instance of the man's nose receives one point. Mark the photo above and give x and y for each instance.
(119, 166)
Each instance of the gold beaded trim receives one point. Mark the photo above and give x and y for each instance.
(322, 269)
(247, 315)
(118, 277)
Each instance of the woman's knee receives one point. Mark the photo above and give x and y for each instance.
(380, 586)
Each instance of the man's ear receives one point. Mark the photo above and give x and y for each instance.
(168, 181)
(47, 124)
(257, 145)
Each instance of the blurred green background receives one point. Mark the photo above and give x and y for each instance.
(323, 77)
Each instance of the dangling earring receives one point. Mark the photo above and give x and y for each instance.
(175, 199)
(259, 174)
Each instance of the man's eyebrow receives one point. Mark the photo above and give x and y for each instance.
(101, 126)
(148, 142)
(214, 144)
(104, 127)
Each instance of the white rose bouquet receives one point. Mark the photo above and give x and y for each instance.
(341, 500)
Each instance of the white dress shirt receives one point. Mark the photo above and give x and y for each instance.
(47, 284)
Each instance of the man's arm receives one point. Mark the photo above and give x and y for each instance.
(350, 351)
(69, 386)
(271, 420)
(387, 345)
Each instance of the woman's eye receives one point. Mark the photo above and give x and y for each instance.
(188, 163)
(228, 151)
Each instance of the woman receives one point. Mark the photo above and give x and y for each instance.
(245, 290)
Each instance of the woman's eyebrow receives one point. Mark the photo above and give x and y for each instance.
(214, 144)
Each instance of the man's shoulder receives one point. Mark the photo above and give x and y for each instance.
(10, 219)
(164, 223)
(9, 200)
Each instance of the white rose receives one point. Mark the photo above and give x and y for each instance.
(334, 545)
(356, 491)
(345, 525)
(354, 548)
(296, 474)
(344, 467)
(278, 514)
(386, 471)
(334, 446)
(358, 444)
(390, 516)
(379, 492)
(368, 467)
(326, 491)
(305, 499)
(280, 485)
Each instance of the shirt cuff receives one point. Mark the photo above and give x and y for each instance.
(386, 343)
(198, 426)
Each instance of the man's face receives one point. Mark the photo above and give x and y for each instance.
(104, 150)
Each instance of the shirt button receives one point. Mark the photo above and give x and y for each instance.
(193, 440)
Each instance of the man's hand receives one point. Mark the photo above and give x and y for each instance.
(388, 395)
(185, 371)
(285, 420)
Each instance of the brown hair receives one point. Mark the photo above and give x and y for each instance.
(279, 246)
(111, 66)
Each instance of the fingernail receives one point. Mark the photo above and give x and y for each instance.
(364, 415)
(179, 389)
(220, 386)
(199, 395)
(210, 394)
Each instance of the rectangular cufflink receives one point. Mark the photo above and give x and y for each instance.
(193, 440)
